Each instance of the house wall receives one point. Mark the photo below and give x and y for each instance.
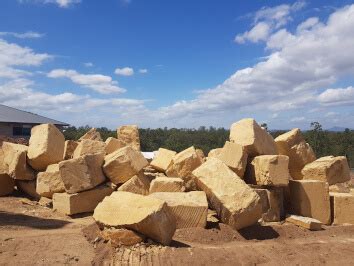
(6, 130)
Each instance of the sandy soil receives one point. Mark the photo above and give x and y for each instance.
(32, 234)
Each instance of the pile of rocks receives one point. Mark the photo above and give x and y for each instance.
(252, 178)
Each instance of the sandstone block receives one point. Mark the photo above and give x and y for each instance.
(234, 156)
(310, 198)
(7, 184)
(201, 154)
(269, 170)
(123, 164)
(82, 173)
(190, 209)
(340, 188)
(81, 202)
(129, 134)
(113, 144)
(46, 146)
(87, 146)
(166, 184)
(146, 215)
(50, 182)
(328, 169)
(300, 153)
(69, 148)
(92, 134)
(342, 208)
(214, 152)
(305, 222)
(138, 184)
(255, 139)
(28, 187)
(236, 203)
(163, 159)
(272, 204)
(119, 237)
(15, 161)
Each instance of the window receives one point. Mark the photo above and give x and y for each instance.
(21, 131)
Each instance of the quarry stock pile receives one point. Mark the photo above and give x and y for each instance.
(253, 178)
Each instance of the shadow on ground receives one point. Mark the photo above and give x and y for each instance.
(258, 232)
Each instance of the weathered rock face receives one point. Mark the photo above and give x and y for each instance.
(310, 198)
(329, 169)
(234, 156)
(162, 160)
(146, 215)
(130, 135)
(92, 134)
(87, 146)
(119, 237)
(183, 165)
(236, 203)
(46, 146)
(340, 188)
(82, 173)
(190, 209)
(201, 154)
(28, 187)
(214, 153)
(15, 161)
(272, 204)
(123, 164)
(138, 184)
(85, 201)
(7, 184)
(269, 170)
(255, 139)
(300, 153)
(113, 144)
(166, 184)
(342, 208)
(50, 182)
(69, 148)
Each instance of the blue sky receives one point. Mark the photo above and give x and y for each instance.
(179, 63)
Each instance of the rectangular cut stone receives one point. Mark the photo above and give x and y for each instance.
(214, 153)
(190, 209)
(87, 146)
(342, 208)
(310, 198)
(69, 148)
(305, 222)
(15, 161)
(81, 202)
(82, 173)
(92, 134)
(46, 146)
(113, 144)
(138, 184)
(300, 153)
(236, 203)
(234, 156)
(50, 182)
(129, 134)
(272, 204)
(268, 170)
(146, 215)
(256, 140)
(166, 184)
(328, 169)
(123, 164)
(163, 159)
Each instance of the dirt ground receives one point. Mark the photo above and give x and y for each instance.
(32, 234)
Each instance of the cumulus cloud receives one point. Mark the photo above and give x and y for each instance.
(97, 82)
(125, 71)
(339, 96)
(24, 35)
(259, 32)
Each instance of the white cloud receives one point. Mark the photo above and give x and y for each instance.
(24, 35)
(125, 71)
(97, 82)
(259, 32)
(339, 96)
(143, 71)
(308, 24)
(60, 3)
(88, 64)
(298, 119)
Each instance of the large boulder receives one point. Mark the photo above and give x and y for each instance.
(69, 148)
(268, 170)
(300, 153)
(129, 134)
(123, 164)
(50, 182)
(113, 144)
(256, 140)
(234, 156)
(138, 184)
(82, 173)
(15, 161)
(329, 169)
(310, 198)
(183, 164)
(163, 159)
(87, 146)
(92, 134)
(143, 214)
(236, 203)
(166, 184)
(272, 204)
(46, 146)
(342, 208)
(214, 153)
(190, 209)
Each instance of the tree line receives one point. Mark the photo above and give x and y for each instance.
(323, 142)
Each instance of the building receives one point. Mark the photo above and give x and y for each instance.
(16, 123)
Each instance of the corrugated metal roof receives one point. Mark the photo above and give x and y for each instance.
(13, 115)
